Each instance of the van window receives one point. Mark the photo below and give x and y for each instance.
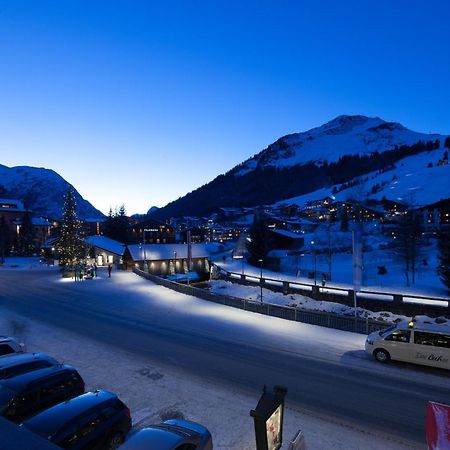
(5, 349)
(400, 336)
(435, 339)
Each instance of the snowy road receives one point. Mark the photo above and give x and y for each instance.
(325, 370)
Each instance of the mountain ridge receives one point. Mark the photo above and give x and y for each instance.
(42, 191)
(335, 152)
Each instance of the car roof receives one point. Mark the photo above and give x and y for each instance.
(51, 420)
(6, 339)
(30, 378)
(15, 359)
(161, 438)
(424, 326)
(193, 428)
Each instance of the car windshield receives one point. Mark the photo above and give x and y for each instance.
(385, 332)
(5, 397)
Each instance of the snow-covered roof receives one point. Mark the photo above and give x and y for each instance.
(106, 243)
(7, 204)
(40, 222)
(95, 219)
(288, 234)
(158, 252)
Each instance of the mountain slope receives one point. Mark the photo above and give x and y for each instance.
(344, 148)
(41, 190)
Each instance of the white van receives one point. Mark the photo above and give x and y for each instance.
(420, 341)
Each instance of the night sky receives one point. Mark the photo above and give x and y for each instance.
(140, 102)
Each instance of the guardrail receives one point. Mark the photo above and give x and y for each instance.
(408, 304)
(320, 318)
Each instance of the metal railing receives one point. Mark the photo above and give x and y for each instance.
(320, 318)
(336, 293)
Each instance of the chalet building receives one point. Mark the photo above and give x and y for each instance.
(197, 235)
(11, 215)
(103, 250)
(92, 226)
(42, 230)
(167, 259)
(286, 240)
(152, 231)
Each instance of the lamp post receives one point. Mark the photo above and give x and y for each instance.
(175, 265)
(315, 263)
(260, 280)
(145, 253)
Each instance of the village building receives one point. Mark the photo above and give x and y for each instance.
(167, 259)
(152, 231)
(103, 250)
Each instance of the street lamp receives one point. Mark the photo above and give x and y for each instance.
(260, 280)
(175, 265)
(315, 263)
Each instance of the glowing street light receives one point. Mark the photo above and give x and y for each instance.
(260, 280)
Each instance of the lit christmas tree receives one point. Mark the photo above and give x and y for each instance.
(70, 247)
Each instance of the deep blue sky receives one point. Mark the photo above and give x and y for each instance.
(139, 102)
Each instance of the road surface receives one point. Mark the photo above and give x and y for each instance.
(232, 346)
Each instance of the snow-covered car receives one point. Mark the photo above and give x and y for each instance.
(171, 435)
(9, 345)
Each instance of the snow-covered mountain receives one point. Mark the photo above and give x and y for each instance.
(345, 135)
(417, 180)
(335, 153)
(41, 190)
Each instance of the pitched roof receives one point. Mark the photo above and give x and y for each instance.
(158, 252)
(106, 243)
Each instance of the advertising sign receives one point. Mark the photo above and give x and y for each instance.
(273, 427)
(437, 426)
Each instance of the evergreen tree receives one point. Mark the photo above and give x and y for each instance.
(344, 220)
(117, 225)
(443, 268)
(70, 246)
(258, 245)
(26, 236)
(408, 235)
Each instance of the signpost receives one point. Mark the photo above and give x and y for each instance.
(268, 418)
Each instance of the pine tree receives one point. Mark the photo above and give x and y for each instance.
(443, 268)
(26, 235)
(117, 225)
(258, 245)
(70, 246)
(408, 235)
(344, 220)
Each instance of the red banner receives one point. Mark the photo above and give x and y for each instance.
(437, 426)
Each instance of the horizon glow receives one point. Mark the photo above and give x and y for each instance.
(140, 104)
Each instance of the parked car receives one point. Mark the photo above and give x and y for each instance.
(171, 435)
(9, 345)
(30, 393)
(19, 363)
(95, 420)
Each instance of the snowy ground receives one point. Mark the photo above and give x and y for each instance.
(342, 269)
(277, 298)
(156, 391)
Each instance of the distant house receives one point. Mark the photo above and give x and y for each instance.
(166, 259)
(284, 239)
(105, 250)
(42, 230)
(197, 235)
(11, 215)
(152, 231)
(94, 225)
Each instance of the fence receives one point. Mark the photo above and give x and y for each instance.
(407, 304)
(324, 319)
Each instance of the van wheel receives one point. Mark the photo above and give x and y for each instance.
(381, 355)
(115, 441)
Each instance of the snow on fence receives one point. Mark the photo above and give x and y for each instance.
(320, 318)
(407, 304)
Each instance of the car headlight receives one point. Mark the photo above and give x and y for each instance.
(369, 341)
